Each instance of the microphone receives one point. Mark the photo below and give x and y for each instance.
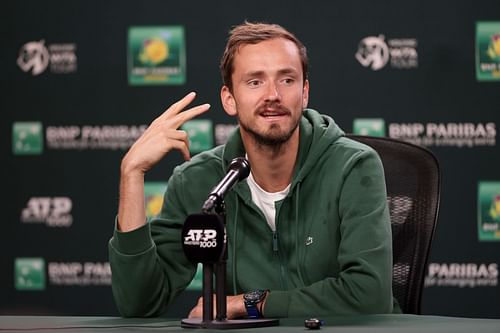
(239, 169)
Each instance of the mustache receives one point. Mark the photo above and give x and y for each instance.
(272, 107)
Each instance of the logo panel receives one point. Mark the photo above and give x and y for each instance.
(369, 126)
(156, 55)
(29, 273)
(153, 194)
(488, 203)
(27, 138)
(200, 135)
(488, 51)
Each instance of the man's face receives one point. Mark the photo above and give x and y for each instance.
(269, 93)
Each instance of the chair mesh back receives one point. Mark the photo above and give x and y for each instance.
(413, 189)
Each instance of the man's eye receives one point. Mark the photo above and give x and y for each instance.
(288, 81)
(254, 83)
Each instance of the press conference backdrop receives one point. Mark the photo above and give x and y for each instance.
(81, 80)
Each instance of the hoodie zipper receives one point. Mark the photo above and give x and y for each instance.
(282, 267)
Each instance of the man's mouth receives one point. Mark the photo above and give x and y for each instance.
(271, 113)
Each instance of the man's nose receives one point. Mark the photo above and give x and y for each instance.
(273, 93)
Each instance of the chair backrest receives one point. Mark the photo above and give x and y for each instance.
(413, 189)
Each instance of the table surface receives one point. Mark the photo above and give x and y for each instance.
(350, 324)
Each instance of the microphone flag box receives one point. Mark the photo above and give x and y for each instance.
(204, 238)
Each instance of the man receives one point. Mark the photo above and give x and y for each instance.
(308, 231)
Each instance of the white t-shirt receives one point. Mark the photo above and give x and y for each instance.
(265, 200)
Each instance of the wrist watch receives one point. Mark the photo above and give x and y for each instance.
(252, 299)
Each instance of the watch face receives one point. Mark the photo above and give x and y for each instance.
(254, 296)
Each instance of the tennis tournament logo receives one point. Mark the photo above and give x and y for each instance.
(51, 211)
(35, 57)
(27, 138)
(200, 133)
(156, 55)
(488, 51)
(29, 273)
(375, 52)
(369, 126)
(488, 204)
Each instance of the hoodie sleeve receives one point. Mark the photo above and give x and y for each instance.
(147, 275)
(364, 282)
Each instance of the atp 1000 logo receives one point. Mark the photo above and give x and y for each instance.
(202, 237)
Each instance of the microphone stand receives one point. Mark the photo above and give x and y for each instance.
(219, 268)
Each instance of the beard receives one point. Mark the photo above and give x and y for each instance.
(274, 136)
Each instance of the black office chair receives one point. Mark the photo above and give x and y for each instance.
(413, 188)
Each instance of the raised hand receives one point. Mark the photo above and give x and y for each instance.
(158, 139)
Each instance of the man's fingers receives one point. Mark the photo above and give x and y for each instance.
(181, 104)
(183, 147)
(184, 116)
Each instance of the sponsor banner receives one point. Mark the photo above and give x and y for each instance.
(79, 273)
(431, 134)
(488, 51)
(462, 275)
(27, 137)
(488, 205)
(156, 55)
(36, 274)
(375, 52)
(445, 134)
(153, 194)
(51, 211)
(200, 133)
(35, 57)
(92, 137)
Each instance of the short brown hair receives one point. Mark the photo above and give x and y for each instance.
(253, 33)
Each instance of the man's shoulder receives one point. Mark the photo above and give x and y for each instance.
(202, 164)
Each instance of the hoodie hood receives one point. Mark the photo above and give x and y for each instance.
(317, 133)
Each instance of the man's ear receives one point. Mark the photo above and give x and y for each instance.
(305, 94)
(228, 101)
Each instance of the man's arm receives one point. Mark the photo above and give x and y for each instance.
(140, 285)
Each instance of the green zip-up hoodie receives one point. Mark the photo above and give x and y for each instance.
(331, 253)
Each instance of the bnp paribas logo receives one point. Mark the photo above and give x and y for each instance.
(369, 126)
(488, 204)
(29, 273)
(200, 133)
(153, 194)
(27, 138)
(156, 55)
(488, 51)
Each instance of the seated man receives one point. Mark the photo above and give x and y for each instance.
(308, 230)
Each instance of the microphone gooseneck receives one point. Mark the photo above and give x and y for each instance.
(239, 169)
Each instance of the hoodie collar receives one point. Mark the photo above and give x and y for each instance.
(317, 133)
